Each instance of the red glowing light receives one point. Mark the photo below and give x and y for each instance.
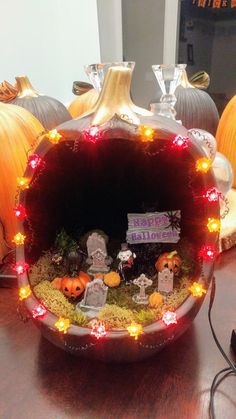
(21, 267)
(208, 252)
(34, 161)
(92, 134)
(169, 318)
(99, 330)
(38, 311)
(20, 212)
(180, 142)
(212, 195)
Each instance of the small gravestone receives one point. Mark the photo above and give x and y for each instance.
(97, 254)
(165, 281)
(142, 282)
(94, 297)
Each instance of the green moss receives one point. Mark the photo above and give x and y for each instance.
(45, 270)
(122, 296)
(145, 316)
(116, 317)
(79, 318)
(54, 300)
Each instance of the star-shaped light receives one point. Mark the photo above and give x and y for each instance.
(197, 289)
(92, 134)
(23, 183)
(34, 161)
(203, 165)
(169, 317)
(39, 311)
(20, 211)
(20, 267)
(212, 195)
(54, 136)
(62, 324)
(135, 330)
(19, 239)
(180, 142)
(208, 252)
(24, 292)
(99, 330)
(146, 133)
(213, 225)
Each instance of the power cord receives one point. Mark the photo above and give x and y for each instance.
(230, 370)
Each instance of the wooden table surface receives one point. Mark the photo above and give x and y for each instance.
(40, 381)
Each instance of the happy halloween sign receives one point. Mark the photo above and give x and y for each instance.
(154, 227)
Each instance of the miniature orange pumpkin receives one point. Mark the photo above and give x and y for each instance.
(72, 287)
(171, 260)
(112, 279)
(155, 299)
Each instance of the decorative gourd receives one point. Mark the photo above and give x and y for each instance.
(226, 134)
(195, 108)
(155, 299)
(18, 131)
(112, 279)
(49, 111)
(168, 260)
(7, 92)
(72, 287)
(83, 103)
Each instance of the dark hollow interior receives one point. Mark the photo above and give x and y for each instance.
(96, 186)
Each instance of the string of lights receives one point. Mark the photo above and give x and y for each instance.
(94, 134)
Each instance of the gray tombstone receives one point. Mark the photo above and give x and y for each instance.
(94, 297)
(165, 281)
(97, 254)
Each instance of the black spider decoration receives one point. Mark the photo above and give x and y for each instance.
(174, 220)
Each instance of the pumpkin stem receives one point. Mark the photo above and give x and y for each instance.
(24, 87)
(115, 99)
(171, 254)
(81, 87)
(185, 82)
(200, 80)
(7, 92)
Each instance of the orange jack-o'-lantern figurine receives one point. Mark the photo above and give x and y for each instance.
(170, 260)
(72, 287)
